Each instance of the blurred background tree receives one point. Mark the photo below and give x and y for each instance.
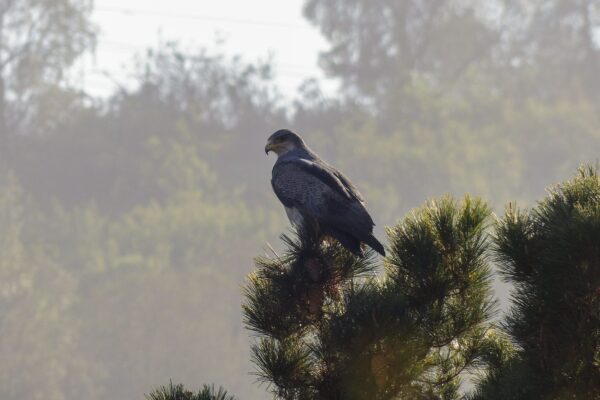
(39, 41)
(381, 51)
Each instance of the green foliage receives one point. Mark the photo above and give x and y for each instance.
(282, 288)
(329, 328)
(379, 49)
(122, 223)
(127, 222)
(149, 277)
(495, 98)
(439, 262)
(38, 333)
(178, 392)
(551, 255)
(39, 41)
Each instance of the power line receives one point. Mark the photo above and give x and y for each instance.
(122, 47)
(137, 12)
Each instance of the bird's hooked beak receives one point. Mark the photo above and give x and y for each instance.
(268, 148)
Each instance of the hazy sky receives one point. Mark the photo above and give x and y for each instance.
(253, 29)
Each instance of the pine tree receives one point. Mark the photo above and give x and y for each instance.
(551, 254)
(178, 392)
(329, 327)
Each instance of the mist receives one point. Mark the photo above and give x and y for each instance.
(130, 216)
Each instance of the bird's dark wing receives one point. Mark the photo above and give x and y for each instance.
(315, 189)
(342, 185)
(308, 189)
(350, 187)
(320, 195)
(330, 176)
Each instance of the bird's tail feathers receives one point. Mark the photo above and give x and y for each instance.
(350, 243)
(375, 244)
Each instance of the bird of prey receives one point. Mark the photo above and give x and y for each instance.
(316, 194)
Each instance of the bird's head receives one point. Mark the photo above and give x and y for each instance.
(283, 141)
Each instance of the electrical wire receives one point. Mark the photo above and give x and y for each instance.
(138, 12)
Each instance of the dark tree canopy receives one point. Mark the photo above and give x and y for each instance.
(179, 392)
(329, 329)
(551, 254)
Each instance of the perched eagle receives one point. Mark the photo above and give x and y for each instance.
(315, 193)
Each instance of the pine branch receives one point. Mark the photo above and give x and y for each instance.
(328, 328)
(178, 392)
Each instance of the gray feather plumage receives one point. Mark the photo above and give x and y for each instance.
(313, 191)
